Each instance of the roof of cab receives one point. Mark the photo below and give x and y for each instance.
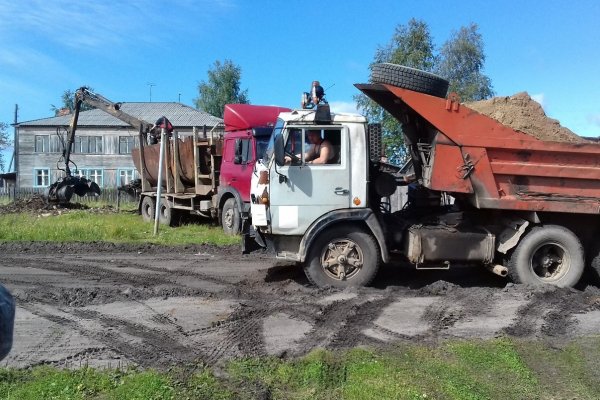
(308, 116)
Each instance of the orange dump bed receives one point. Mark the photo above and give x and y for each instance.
(489, 164)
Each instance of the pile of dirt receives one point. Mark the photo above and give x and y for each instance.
(37, 205)
(526, 115)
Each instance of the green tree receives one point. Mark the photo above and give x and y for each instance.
(223, 87)
(5, 142)
(460, 60)
(461, 63)
(412, 46)
(68, 103)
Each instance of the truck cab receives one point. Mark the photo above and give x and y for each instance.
(247, 133)
(296, 203)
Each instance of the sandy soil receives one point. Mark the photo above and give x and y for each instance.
(526, 115)
(152, 306)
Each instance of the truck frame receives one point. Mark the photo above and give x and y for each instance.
(523, 208)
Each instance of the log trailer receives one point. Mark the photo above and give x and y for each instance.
(206, 174)
(523, 208)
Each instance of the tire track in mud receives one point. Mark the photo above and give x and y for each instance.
(550, 312)
(250, 299)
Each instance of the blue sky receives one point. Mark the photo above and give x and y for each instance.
(550, 49)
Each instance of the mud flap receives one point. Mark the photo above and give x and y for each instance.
(252, 241)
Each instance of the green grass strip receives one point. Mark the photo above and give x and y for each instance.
(83, 226)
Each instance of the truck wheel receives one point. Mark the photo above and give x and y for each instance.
(148, 208)
(341, 257)
(230, 217)
(409, 78)
(549, 254)
(167, 216)
(594, 266)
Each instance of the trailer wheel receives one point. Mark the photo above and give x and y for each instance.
(549, 254)
(409, 78)
(168, 216)
(148, 208)
(343, 256)
(230, 217)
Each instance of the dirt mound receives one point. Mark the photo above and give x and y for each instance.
(524, 114)
(37, 205)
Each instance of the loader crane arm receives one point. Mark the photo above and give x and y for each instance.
(62, 190)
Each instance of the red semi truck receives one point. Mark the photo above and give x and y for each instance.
(523, 208)
(207, 174)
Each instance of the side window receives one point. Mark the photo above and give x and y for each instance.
(41, 177)
(334, 138)
(126, 144)
(243, 151)
(246, 151)
(42, 143)
(294, 149)
(323, 146)
(94, 175)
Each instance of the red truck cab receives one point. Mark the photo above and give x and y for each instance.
(247, 132)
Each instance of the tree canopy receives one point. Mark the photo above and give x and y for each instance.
(461, 63)
(68, 103)
(460, 60)
(5, 142)
(222, 87)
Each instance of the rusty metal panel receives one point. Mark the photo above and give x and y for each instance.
(449, 172)
(507, 169)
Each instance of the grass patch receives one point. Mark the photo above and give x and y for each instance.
(82, 226)
(496, 369)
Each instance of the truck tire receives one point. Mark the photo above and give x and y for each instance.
(168, 216)
(409, 78)
(148, 208)
(593, 271)
(230, 217)
(549, 254)
(343, 256)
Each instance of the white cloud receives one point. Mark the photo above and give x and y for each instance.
(343, 107)
(540, 98)
(102, 25)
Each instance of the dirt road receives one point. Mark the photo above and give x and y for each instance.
(107, 305)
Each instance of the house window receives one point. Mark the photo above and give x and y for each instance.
(41, 177)
(88, 144)
(42, 143)
(126, 144)
(93, 174)
(126, 176)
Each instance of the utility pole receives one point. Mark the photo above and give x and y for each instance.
(12, 159)
(150, 85)
(179, 101)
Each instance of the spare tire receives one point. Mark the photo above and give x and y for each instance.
(409, 78)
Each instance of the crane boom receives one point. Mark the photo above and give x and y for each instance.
(62, 190)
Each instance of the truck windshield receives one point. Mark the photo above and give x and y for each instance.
(276, 131)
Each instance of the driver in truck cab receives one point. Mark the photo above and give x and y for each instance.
(321, 151)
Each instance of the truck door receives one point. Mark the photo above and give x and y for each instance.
(306, 191)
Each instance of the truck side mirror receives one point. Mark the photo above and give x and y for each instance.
(279, 151)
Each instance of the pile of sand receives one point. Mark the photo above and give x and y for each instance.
(522, 113)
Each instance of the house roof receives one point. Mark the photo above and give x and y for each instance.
(179, 114)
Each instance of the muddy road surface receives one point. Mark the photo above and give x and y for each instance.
(152, 306)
